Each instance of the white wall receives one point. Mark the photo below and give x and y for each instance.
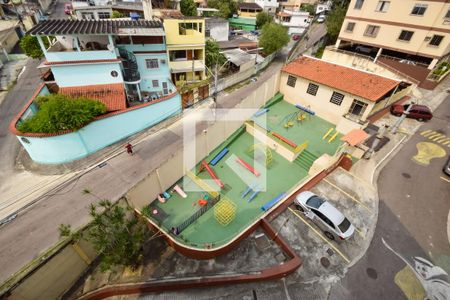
(320, 103)
(219, 31)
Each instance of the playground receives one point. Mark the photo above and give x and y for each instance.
(208, 219)
(299, 126)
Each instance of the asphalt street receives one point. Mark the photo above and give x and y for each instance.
(36, 229)
(412, 220)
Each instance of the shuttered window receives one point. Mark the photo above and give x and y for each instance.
(337, 98)
(312, 89)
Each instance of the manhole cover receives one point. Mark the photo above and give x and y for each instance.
(325, 262)
(372, 273)
(406, 175)
(330, 252)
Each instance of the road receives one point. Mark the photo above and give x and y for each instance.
(412, 219)
(58, 10)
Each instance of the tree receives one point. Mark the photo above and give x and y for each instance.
(188, 8)
(262, 18)
(31, 47)
(59, 112)
(227, 8)
(213, 55)
(114, 232)
(116, 14)
(273, 38)
(309, 8)
(334, 22)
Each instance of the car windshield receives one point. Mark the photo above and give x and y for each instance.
(344, 225)
(315, 202)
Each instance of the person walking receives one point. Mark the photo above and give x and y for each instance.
(129, 148)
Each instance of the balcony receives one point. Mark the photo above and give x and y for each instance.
(187, 65)
(58, 53)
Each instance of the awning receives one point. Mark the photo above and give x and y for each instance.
(355, 137)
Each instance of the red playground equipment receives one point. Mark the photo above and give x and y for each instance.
(287, 141)
(247, 166)
(213, 175)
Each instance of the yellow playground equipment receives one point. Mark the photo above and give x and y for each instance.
(288, 120)
(225, 211)
(333, 137)
(301, 147)
(260, 148)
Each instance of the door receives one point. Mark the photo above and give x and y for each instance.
(324, 223)
(189, 54)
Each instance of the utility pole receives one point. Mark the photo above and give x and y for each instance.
(400, 120)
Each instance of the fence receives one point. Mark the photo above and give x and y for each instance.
(196, 215)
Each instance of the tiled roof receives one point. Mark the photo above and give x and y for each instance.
(109, 26)
(245, 5)
(112, 95)
(355, 137)
(359, 83)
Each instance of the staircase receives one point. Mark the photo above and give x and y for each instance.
(305, 160)
(130, 66)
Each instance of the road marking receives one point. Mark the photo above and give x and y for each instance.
(426, 132)
(320, 235)
(347, 194)
(426, 151)
(436, 137)
(443, 178)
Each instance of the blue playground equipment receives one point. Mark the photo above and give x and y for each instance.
(166, 195)
(255, 192)
(261, 112)
(249, 188)
(305, 109)
(218, 157)
(272, 202)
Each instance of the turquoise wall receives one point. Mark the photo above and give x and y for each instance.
(99, 134)
(147, 75)
(87, 74)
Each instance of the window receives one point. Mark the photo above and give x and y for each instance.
(345, 225)
(104, 15)
(186, 28)
(357, 108)
(436, 40)
(322, 216)
(383, 6)
(207, 33)
(177, 55)
(372, 30)
(312, 89)
(447, 15)
(359, 4)
(165, 88)
(350, 26)
(291, 81)
(152, 63)
(87, 16)
(405, 35)
(155, 83)
(337, 98)
(419, 9)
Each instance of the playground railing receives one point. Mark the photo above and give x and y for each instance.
(197, 215)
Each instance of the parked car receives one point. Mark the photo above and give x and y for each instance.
(68, 8)
(446, 168)
(295, 37)
(321, 19)
(418, 112)
(333, 223)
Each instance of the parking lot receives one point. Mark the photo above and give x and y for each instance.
(357, 201)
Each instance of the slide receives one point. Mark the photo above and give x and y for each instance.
(218, 157)
(247, 166)
(179, 191)
(212, 174)
(272, 202)
(261, 112)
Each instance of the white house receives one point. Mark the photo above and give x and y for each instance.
(322, 8)
(269, 6)
(217, 29)
(296, 21)
(343, 96)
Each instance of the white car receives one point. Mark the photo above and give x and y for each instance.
(333, 223)
(321, 19)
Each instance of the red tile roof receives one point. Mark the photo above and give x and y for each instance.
(355, 137)
(112, 95)
(359, 83)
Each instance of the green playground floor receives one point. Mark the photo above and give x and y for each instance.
(312, 129)
(281, 176)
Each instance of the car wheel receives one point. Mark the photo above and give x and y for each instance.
(300, 208)
(329, 235)
(397, 114)
(420, 120)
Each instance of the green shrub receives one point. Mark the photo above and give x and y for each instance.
(60, 112)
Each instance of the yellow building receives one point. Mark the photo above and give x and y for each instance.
(249, 10)
(416, 32)
(185, 40)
